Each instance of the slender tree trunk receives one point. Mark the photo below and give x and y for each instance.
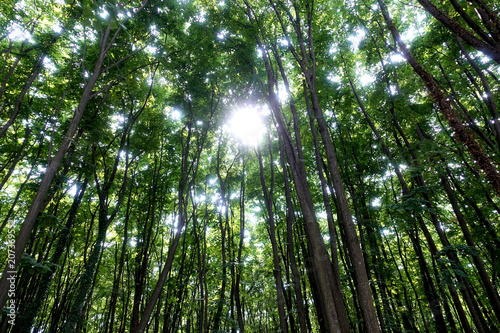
(309, 72)
(490, 102)
(462, 133)
(431, 293)
(121, 263)
(268, 199)
(189, 170)
(299, 301)
(331, 227)
(44, 187)
(144, 251)
(62, 244)
(239, 310)
(20, 98)
(487, 45)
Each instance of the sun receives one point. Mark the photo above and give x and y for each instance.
(247, 126)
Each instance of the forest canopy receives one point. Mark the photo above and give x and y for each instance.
(249, 166)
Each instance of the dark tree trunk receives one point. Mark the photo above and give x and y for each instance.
(462, 133)
(44, 187)
(268, 199)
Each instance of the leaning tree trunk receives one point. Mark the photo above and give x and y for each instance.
(268, 199)
(189, 169)
(37, 204)
(462, 133)
(305, 56)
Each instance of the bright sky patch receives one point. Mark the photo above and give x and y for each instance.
(246, 125)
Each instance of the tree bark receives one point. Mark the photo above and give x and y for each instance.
(462, 133)
(52, 168)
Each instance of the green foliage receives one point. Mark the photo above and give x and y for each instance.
(155, 147)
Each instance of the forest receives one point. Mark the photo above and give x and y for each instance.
(249, 166)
